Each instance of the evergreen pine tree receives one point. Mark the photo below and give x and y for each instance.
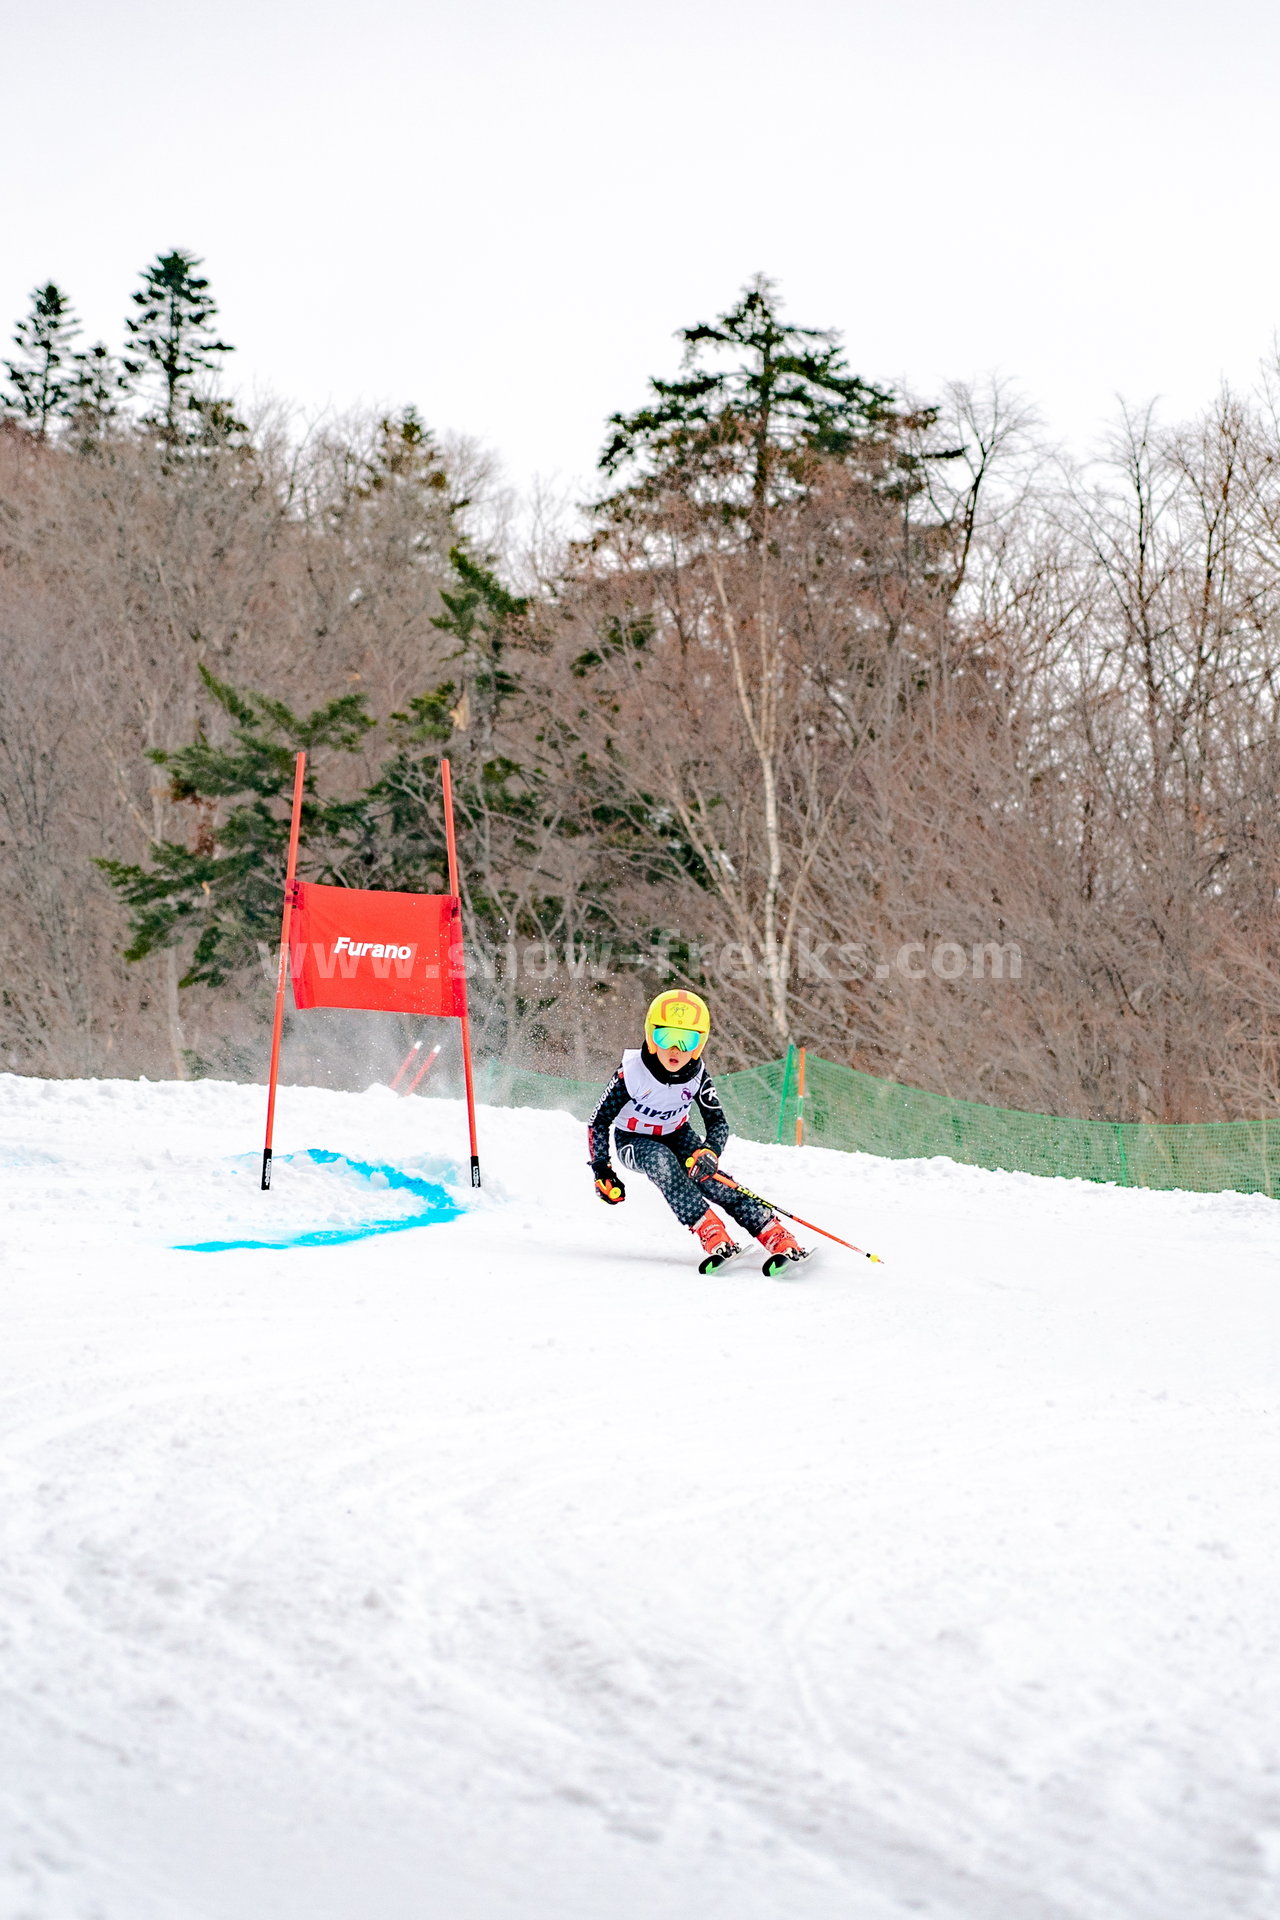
(96, 384)
(756, 398)
(38, 378)
(222, 892)
(225, 888)
(494, 794)
(171, 335)
(405, 455)
(395, 489)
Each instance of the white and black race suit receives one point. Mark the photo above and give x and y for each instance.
(649, 1110)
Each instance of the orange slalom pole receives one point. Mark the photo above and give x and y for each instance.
(447, 782)
(423, 1071)
(299, 773)
(800, 1105)
(737, 1186)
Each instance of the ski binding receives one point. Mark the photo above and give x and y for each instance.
(779, 1266)
(715, 1261)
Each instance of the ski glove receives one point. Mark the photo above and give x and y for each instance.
(702, 1165)
(609, 1187)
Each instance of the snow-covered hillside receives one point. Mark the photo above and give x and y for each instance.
(501, 1566)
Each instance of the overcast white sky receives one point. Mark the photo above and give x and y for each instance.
(502, 211)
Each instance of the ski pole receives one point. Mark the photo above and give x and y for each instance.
(737, 1186)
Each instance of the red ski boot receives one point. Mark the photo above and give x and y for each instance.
(716, 1243)
(782, 1248)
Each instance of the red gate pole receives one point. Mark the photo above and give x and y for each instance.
(423, 1070)
(447, 781)
(414, 1050)
(299, 772)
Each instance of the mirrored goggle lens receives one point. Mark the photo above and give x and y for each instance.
(682, 1037)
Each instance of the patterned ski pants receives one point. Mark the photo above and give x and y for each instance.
(662, 1160)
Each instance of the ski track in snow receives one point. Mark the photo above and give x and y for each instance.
(504, 1568)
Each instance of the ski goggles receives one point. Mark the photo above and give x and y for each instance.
(686, 1039)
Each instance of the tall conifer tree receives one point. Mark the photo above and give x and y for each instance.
(39, 376)
(171, 334)
(756, 398)
(95, 388)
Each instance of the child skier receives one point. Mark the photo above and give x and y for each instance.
(648, 1102)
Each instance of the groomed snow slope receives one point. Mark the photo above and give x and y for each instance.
(503, 1566)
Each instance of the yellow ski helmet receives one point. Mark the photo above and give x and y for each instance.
(682, 1020)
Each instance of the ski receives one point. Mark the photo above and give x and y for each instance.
(782, 1266)
(715, 1261)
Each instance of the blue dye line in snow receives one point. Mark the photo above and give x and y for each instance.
(440, 1205)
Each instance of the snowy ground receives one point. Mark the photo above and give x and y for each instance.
(502, 1566)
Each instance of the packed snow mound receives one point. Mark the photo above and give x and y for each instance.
(328, 1199)
(148, 1159)
(469, 1555)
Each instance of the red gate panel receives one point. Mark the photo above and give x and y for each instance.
(387, 952)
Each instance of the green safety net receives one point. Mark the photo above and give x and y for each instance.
(859, 1114)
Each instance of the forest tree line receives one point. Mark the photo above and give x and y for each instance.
(824, 677)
